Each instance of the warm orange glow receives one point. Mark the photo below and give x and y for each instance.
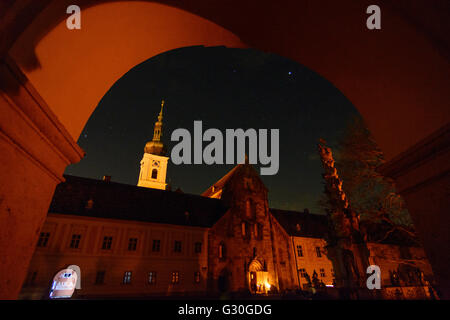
(78, 67)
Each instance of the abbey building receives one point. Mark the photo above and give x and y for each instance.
(145, 240)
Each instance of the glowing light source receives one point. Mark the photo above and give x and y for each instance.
(329, 285)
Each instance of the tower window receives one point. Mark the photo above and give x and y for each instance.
(244, 230)
(222, 251)
(154, 174)
(250, 209)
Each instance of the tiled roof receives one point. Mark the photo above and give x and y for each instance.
(113, 200)
(221, 182)
(310, 225)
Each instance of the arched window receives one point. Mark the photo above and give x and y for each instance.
(250, 209)
(245, 230)
(258, 231)
(222, 251)
(154, 174)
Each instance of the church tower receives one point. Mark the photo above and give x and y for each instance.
(154, 162)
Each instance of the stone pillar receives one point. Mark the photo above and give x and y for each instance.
(422, 176)
(35, 149)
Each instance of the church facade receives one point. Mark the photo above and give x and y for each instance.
(144, 240)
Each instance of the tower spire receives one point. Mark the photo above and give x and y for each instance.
(156, 146)
(160, 116)
(157, 132)
(154, 162)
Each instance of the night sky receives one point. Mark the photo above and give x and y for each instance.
(225, 88)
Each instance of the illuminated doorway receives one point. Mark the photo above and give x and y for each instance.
(258, 278)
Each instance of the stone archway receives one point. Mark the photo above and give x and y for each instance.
(397, 78)
(258, 277)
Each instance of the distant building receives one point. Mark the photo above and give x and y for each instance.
(138, 242)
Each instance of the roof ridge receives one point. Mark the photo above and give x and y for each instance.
(222, 181)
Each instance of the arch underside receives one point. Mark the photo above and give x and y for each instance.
(395, 77)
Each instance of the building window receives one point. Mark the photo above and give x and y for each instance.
(100, 277)
(248, 208)
(222, 251)
(299, 251)
(177, 246)
(302, 272)
(152, 277)
(175, 277)
(107, 241)
(132, 244)
(43, 239)
(154, 174)
(156, 245)
(127, 277)
(197, 277)
(198, 247)
(318, 252)
(322, 272)
(75, 242)
(244, 230)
